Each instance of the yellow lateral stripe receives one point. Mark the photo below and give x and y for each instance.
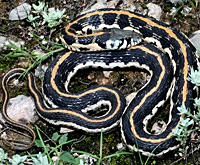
(9, 120)
(4, 89)
(54, 86)
(74, 113)
(167, 30)
(145, 97)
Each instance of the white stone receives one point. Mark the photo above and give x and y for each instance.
(40, 71)
(20, 12)
(4, 42)
(120, 146)
(22, 108)
(195, 39)
(155, 11)
(4, 135)
(107, 73)
(88, 159)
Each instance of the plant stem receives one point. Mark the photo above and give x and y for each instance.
(44, 146)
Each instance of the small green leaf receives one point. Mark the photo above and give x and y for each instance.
(55, 136)
(182, 109)
(40, 159)
(17, 159)
(79, 161)
(194, 77)
(39, 8)
(3, 155)
(63, 138)
(67, 157)
(186, 122)
(38, 143)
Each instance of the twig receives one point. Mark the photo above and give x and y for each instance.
(187, 155)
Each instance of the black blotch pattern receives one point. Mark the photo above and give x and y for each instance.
(109, 18)
(83, 20)
(84, 49)
(85, 40)
(68, 39)
(123, 21)
(137, 22)
(95, 21)
(76, 27)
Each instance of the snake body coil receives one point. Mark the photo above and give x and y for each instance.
(113, 29)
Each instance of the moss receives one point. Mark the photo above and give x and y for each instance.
(6, 64)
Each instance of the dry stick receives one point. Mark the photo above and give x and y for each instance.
(196, 149)
(48, 138)
(79, 140)
(14, 142)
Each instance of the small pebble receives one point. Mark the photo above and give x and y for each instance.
(40, 71)
(99, 4)
(65, 130)
(107, 73)
(20, 12)
(187, 9)
(55, 159)
(158, 127)
(120, 146)
(4, 135)
(173, 10)
(88, 159)
(16, 82)
(177, 1)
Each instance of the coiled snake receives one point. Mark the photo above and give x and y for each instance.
(106, 38)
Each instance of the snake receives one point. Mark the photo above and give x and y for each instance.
(114, 38)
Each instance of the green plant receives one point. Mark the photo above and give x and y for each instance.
(17, 159)
(186, 7)
(59, 141)
(191, 122)
(194, 77)
(32, 19)
(3, 156)
(40, 159)
(40, 8)
(100, 158)
(33, 56)
(37, 11)
(52, 17)
(182, 131)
